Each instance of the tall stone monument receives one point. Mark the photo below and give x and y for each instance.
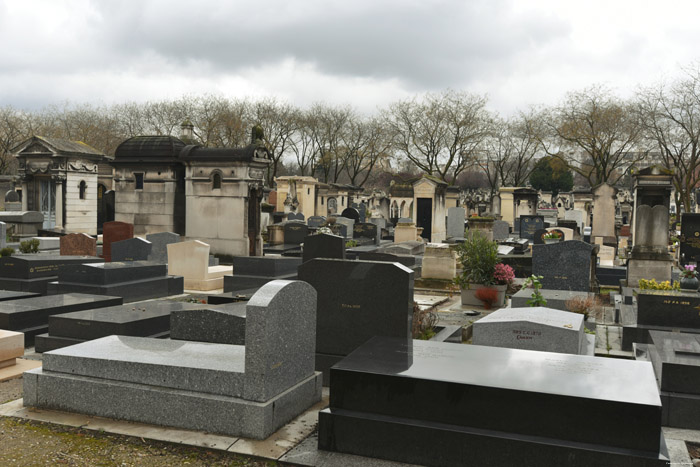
(604, 215)
(652, 195)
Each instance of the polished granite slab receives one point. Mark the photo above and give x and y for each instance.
(112, 273)
(16, 315)
(35, 266)
(192, 366)
(524, 392)
(6, 295)
(676, 359)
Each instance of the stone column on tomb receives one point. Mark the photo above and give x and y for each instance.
(59, 203)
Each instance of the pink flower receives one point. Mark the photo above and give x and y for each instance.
(503, 274)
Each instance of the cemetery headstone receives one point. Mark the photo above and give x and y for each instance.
(533, 328)
(113, 232)
(565, 265)
(538, 237)
(347, 224)
(221, 325)
(78, 244)
(323, 246)
(690, 238)
(345, 317)
(132, 249)
(3, 235)
(266, 383)
(295, 233)
(366, 230)
(351, 213)
(676, 361)
(191, 261)
(159, 245)
(439, 262)
(501, 230)
(295, 216)
(529, 225)
(315, 221)
(455, 222)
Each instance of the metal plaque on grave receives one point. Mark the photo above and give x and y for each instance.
(690, 239)
(529, 225)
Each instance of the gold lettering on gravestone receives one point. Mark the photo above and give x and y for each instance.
(563, 278)
(676, 302)
(294, 228)
(348, 306)
(276, 365)
(47, 268)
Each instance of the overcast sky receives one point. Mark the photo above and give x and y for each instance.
(363, 53)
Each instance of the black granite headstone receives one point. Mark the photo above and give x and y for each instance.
(146, 319)
(357, 300)
(529, 225)
(690, 238)
(323, 246)
(364, 230)
(295, 232)
(132, 249)
(537, 237)
(568, 265)
(351, 213)
(668, 308)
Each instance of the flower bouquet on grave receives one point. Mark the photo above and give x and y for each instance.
(487, 295)
(689, 271)
(689, 278)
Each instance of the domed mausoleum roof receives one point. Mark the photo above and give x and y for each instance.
(149, 149)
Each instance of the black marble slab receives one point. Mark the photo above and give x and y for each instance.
(509, 390)
(267, 266)
(6, 295)
(36, 266)
(37, 285)
(417, 442)
(323, 246)
(676, 359)
(237, 283)
(668, 308)
(134, 319)
(231, 297)
(112, 273)
(30, 315)
(131, 291)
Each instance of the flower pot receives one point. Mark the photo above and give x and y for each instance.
(689, 283)
(469, 295)
(547, 241)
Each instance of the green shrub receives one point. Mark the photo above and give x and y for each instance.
(29, 246)
(479, 258)
(7, 251)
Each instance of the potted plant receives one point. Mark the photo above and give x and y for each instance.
(689, 278)
(479, 258)
(551, 237)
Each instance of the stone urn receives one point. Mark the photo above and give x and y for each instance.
(690, 284)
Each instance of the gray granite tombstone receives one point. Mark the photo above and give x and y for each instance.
(133, 249)
(347, 224)
(568, 265)
(380, 222)
(315, 221)
(455, 222)
(412, 247)
(295, 232)
(529, 225)
(323, 246)
(3, 235)
(501, 230)
(357, 300)
(193, 385)
(159, 245)
(536, 328)
(220, 325)
(295, 216)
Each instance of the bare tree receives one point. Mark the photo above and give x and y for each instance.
(596, 134)
(367, 143)
(327, 125)
(279, 121)
(441, 133)
(671, 118)
(13, 130)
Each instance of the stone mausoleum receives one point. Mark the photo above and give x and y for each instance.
(63, 180)
(163, 184)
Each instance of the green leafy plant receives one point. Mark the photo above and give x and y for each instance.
(7, 251)
(479, 258)
(424, 322)
(350, 244)
(29, 246)
(537, 298)
(552, 235)
(651, 284)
